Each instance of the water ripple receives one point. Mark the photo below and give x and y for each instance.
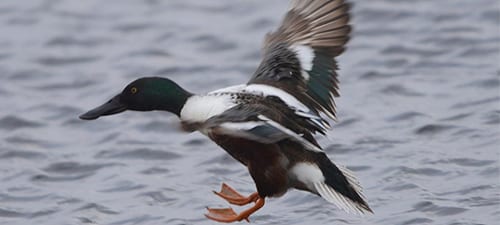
(66, 60)
(155, 170)
(406, 116)
(13, 198)
(97, 208)
(75, 167)
(457, 117)
(14, 122)
(211, 43)
(157, 196)
(142, 153)
(66, 41)
(492, 118)
(404, 50)
(422, 171)
(28, 215)
(71, 85)
(143, 219)
(417, 221)
(470, 104)
(396, 89)
(21, 154)
(124, 186)
(429, 207)
(465, 162)
(432, 129)
(51, 178)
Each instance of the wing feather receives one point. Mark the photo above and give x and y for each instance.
(267, 120)
(321, 26)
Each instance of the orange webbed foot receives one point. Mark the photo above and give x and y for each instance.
(228, 215)
(225, 215)
(233, 197)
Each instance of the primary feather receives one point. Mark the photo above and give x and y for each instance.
(299, 57)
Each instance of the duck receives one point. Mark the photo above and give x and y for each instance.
(269, 123)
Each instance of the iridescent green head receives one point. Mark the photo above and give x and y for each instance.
(144, 94)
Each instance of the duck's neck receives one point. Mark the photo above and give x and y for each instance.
(174, 99)
(176, 104)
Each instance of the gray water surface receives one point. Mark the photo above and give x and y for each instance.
(419, 116)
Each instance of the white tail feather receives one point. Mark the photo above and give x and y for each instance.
(353, 181)
(338, 199)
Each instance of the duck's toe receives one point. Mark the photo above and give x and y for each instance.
(233, 197)
(229, 192)
(225, 215)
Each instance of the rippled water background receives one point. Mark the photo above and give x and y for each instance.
(419, 112)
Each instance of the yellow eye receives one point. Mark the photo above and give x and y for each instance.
(133, 90)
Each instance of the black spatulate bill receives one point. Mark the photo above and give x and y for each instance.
(111, 107)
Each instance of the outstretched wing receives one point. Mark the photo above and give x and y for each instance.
(299, 57)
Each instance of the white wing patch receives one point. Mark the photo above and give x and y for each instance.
(305, 75)
(306, 57)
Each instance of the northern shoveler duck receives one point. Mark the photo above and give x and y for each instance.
(268, 123)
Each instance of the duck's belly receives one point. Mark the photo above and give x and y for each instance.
(265, 162)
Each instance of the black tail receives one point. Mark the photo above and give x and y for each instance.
(342, 181)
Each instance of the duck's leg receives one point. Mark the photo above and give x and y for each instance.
(233, 197)
(227, 215)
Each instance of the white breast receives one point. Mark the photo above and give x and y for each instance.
(199, 108)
